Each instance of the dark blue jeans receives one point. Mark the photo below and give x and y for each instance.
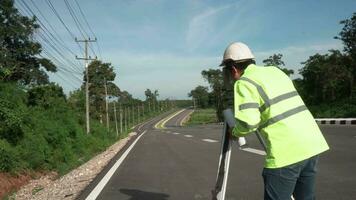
(297, 179)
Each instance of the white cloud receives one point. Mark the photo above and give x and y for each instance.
(202, 26)
(294, 55)
(176, 75)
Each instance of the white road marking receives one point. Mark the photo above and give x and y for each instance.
(188, 136)
(175, 133)
(209, 140)
(98, 188)
(256, 151)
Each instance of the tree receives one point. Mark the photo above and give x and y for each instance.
(151, 96)
(326, 77)
(46, 96)
(276, 60)
(100, 74)
(348, 37)
(18, 61)
(201, 96)
(215, 79)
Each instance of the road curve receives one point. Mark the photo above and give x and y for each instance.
(181, 162)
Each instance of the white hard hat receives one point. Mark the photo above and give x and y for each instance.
(237, 52)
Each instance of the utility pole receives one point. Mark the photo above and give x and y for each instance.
(138, 113)
(120, 119)
(106, 105)
(86, 59)
(125, 118)
(117, 132)
(128, 118)
(193, 103)
(143, 110)
(133, 114)
(154, 105)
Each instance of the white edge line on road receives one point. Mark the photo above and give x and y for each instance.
(256, 151)
(188, 136)
(98, 188)
(209, 140)
(175, 133)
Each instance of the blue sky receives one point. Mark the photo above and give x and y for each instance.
(165, 44)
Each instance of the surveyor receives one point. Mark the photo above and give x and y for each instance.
(266, 100)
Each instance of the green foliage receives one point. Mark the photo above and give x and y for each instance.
(99, 74)
(10, 122)
(200, 96)
(348, 35)
(151, 96)
(76, 100)
(8, 157)
(202, 116)
(326, 78)
(46, 96)
(40, 131)
(12, 109)
(340, 109)
(18, 61)
(180, 103)
(215, 79)
(276, 60)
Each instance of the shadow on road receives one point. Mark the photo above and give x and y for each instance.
(142, 195)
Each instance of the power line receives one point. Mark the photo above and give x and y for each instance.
(48, 38)
(54, 30)
(82, 13)
(57, 51)
(61, 64)
(90, 29)
(75, 19)
(66, 81)
(69, 81)
(61, 20)
(78, 24)
(62, 73)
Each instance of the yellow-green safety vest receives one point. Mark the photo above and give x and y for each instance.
(266, 100)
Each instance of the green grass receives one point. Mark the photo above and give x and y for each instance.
(202, 116)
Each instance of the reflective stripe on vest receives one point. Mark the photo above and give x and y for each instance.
(248, 105)
(282, 116)
(267, 103)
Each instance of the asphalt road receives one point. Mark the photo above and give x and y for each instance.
(181, 163)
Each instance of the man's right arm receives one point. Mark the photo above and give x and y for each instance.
(247, 103)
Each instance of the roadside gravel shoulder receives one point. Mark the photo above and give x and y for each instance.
(70, 185)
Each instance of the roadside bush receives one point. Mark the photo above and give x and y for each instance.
(8, 157)
(39, 130)
(12, 109)
(340, 109)
(34, 151)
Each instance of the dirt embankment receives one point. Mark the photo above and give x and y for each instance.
(49, 186)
